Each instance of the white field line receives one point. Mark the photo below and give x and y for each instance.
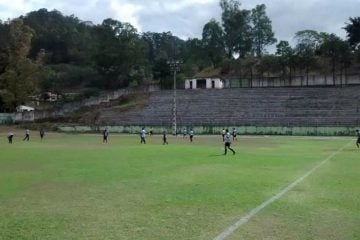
(226, 233)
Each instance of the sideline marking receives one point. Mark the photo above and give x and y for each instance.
(254, 211)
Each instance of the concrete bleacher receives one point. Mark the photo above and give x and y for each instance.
(330, 106)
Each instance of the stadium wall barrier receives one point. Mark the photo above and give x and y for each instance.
(6, 118)
(216, 130)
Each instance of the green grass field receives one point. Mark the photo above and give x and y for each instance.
(75, 187)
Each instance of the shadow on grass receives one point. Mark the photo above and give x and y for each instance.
(218, 155)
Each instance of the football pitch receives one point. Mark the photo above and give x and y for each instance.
(76, 187)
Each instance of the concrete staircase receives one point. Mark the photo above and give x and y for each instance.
(246, 106)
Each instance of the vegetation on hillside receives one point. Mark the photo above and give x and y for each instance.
(47, 51)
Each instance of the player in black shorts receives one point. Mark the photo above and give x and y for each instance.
(358, 138)
(27, 135)
(105, 134)
(191, 134)
(164, 138)
(10, 137)
(42, 133)
(234, 134)
(228, 142)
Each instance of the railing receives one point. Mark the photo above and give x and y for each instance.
(293, 81)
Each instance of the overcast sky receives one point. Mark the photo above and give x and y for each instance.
(185, 18)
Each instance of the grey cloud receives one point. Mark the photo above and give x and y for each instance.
(288, 16)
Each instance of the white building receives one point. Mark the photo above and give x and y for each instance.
(23, 108)
(204, 83)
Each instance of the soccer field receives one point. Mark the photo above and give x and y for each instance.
(76, 187)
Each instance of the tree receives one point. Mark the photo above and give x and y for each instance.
(262, 34)
(213, 40)
(338, 53)
(353, 32)
(237, 29)
(269, 64)
(121, 54)
(308, 43)
(19, 77)
(286, 56)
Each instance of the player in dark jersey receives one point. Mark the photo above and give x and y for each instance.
(358, 138)
(105, 134)
(164, 138)
(228, 142)
(42, 133)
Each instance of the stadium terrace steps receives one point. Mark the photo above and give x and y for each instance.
(246, 106)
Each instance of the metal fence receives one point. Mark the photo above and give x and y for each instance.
(293, 81)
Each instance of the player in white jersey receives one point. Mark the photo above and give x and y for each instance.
(228, 142)
(27, 135)
(142, 136)
(234, 134)
(191, 134)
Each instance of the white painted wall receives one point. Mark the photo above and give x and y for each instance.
(218, 83)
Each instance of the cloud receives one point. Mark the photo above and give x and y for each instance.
(127, 12)
(186, 18)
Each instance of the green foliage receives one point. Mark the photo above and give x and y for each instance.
(353, 32)
(18, 78)
(48, 51)
(237, 28)
(213, 41)
(262, 34)
(337, 52)
(286, 57)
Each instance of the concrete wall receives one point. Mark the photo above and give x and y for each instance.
(6, 118)
(216, 130)
(24, 116)
(217, 81)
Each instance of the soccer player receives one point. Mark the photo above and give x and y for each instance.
(142, 136)
(191, 134)
(10, 137)
(234, 134)
(164, 138)
(228, 142)
(151, 131)
(105, 134)
(27, 135)
(42, 133)
(223, 134)
(358, 138)
(184, 133)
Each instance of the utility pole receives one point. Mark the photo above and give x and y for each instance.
(175, 67)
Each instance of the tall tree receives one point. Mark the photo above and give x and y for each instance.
(308, 43)
(262, 34)
(353, 32)
(121, 52)
(20, 75)
(337, 52)
(237, 29)
(286, 55)
(212, 37)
